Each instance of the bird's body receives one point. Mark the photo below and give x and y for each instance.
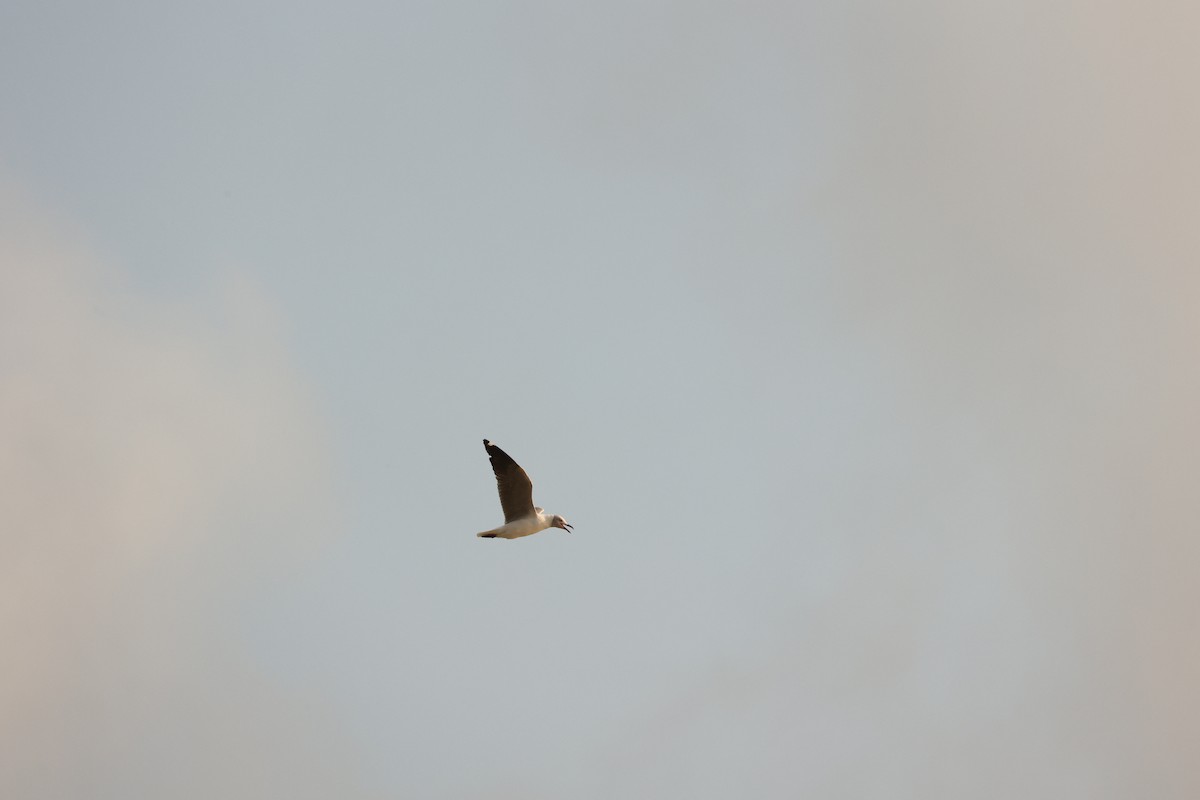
(521, 516)
(525, 526)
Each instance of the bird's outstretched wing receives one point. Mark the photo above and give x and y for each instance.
(516, 490)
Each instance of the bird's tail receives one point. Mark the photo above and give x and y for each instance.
(487, 535)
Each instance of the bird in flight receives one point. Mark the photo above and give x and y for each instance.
(521, 516)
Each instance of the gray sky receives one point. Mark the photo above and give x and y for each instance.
(858, 342)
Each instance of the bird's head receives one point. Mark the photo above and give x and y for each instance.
(559, 522)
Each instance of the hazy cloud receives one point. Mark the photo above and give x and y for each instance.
(157, 456)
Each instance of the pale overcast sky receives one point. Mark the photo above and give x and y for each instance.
(858, 341)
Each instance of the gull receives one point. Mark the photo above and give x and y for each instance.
(521, 516)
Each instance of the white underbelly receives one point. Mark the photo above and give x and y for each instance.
(521, 527)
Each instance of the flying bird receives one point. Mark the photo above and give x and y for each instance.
(521, 516)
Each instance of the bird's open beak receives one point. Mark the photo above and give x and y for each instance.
(569, 527)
